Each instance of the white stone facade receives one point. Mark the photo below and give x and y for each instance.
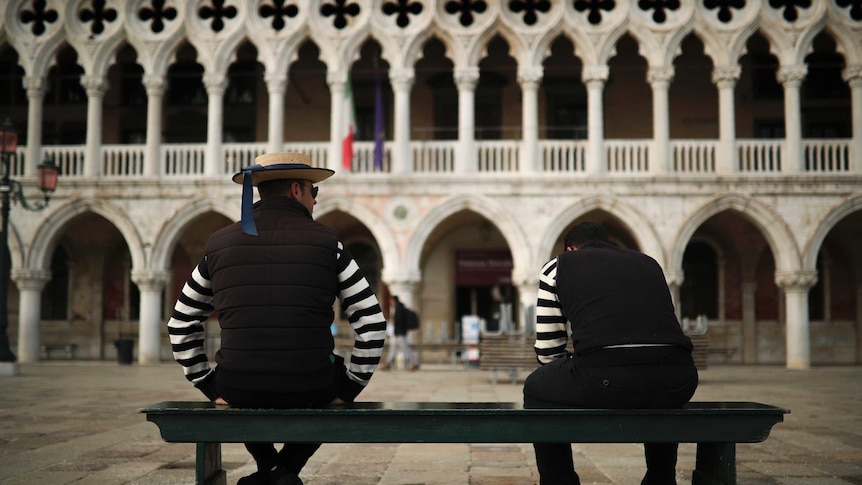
(665, 162)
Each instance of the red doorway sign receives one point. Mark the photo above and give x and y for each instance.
(483, 267)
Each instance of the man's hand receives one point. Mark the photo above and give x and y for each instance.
(337, 400)
(220, 402)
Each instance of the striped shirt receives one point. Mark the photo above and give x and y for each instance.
(551, 325)
(194, 307)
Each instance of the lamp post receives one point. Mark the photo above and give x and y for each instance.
(11, 191)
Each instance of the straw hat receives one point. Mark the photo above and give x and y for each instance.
(287, 165)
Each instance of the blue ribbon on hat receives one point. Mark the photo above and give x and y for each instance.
(247, 215)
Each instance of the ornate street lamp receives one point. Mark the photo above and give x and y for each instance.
(10, 190)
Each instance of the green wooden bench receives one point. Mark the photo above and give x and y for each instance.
(716, 427)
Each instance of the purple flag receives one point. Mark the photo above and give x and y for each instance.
(379, 125)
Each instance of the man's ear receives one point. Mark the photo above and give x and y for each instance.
(295, 191)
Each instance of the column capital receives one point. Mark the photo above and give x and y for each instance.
(853, 74)
(401, 279)
(660, 75)
(726, 76)
(525, 278)
(674, 278)
(150, 279)
(795, 280)
(29, 279)
(595, 73)
(154, 84)
(94, 85)
(467, 77)
(215, 83)
(335, 78)
(792, 75)
(402, 77)
(276, 82)
(35, 86)
(531, 75)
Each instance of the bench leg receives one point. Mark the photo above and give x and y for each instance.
(208, 469)
(716, 464)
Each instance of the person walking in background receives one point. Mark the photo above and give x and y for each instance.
(403, 321)
(274, 277)
(628, 348)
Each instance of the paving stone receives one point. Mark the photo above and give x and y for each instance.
(78, 422)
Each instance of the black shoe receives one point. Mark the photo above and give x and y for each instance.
(256, 478)
(283, 476)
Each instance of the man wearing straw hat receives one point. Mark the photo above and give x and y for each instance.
(273, 278)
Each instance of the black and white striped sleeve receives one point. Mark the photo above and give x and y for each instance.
(365, 317)
(551, 334)
(186, 326)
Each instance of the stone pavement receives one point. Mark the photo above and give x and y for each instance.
(77, 422)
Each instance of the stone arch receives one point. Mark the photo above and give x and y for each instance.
(498, 215)
(846, 42)
(415, 48)
(167, 237)
(541, 47)
(824, 225)
(45, 237)
(383, 235)
(16, 247)
(769, 222)
(644, 233)
(517, 50)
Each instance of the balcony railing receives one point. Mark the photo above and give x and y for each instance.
(626, 157)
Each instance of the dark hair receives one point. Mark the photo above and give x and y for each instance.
(586, 232)
(277, 187)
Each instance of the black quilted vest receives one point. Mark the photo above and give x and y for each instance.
(274, 294)
(615, 296)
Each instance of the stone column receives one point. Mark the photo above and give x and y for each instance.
(749, 321)
(402, 82)
(30, 284)
(530, 77)
(336, 83)
(595, 78)
(528, 291)
(405, 290)
(725, 78)
(674, 281)
(853, 75)
(214, 163)
(276, 85)
(793, 158)
(155, 86)
(466, 79)
(660, 78)
(151, 285)
(796, 285)
(35, 86)
(95, 86)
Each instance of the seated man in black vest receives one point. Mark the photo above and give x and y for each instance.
(629, 349)
(274, 277)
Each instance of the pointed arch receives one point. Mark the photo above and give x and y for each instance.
(644, 233)
(827, 223)
(767, 220)
(52, 227)
(500, 216)
(382, 233)
(172, 230)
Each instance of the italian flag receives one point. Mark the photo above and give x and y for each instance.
(349, 126)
